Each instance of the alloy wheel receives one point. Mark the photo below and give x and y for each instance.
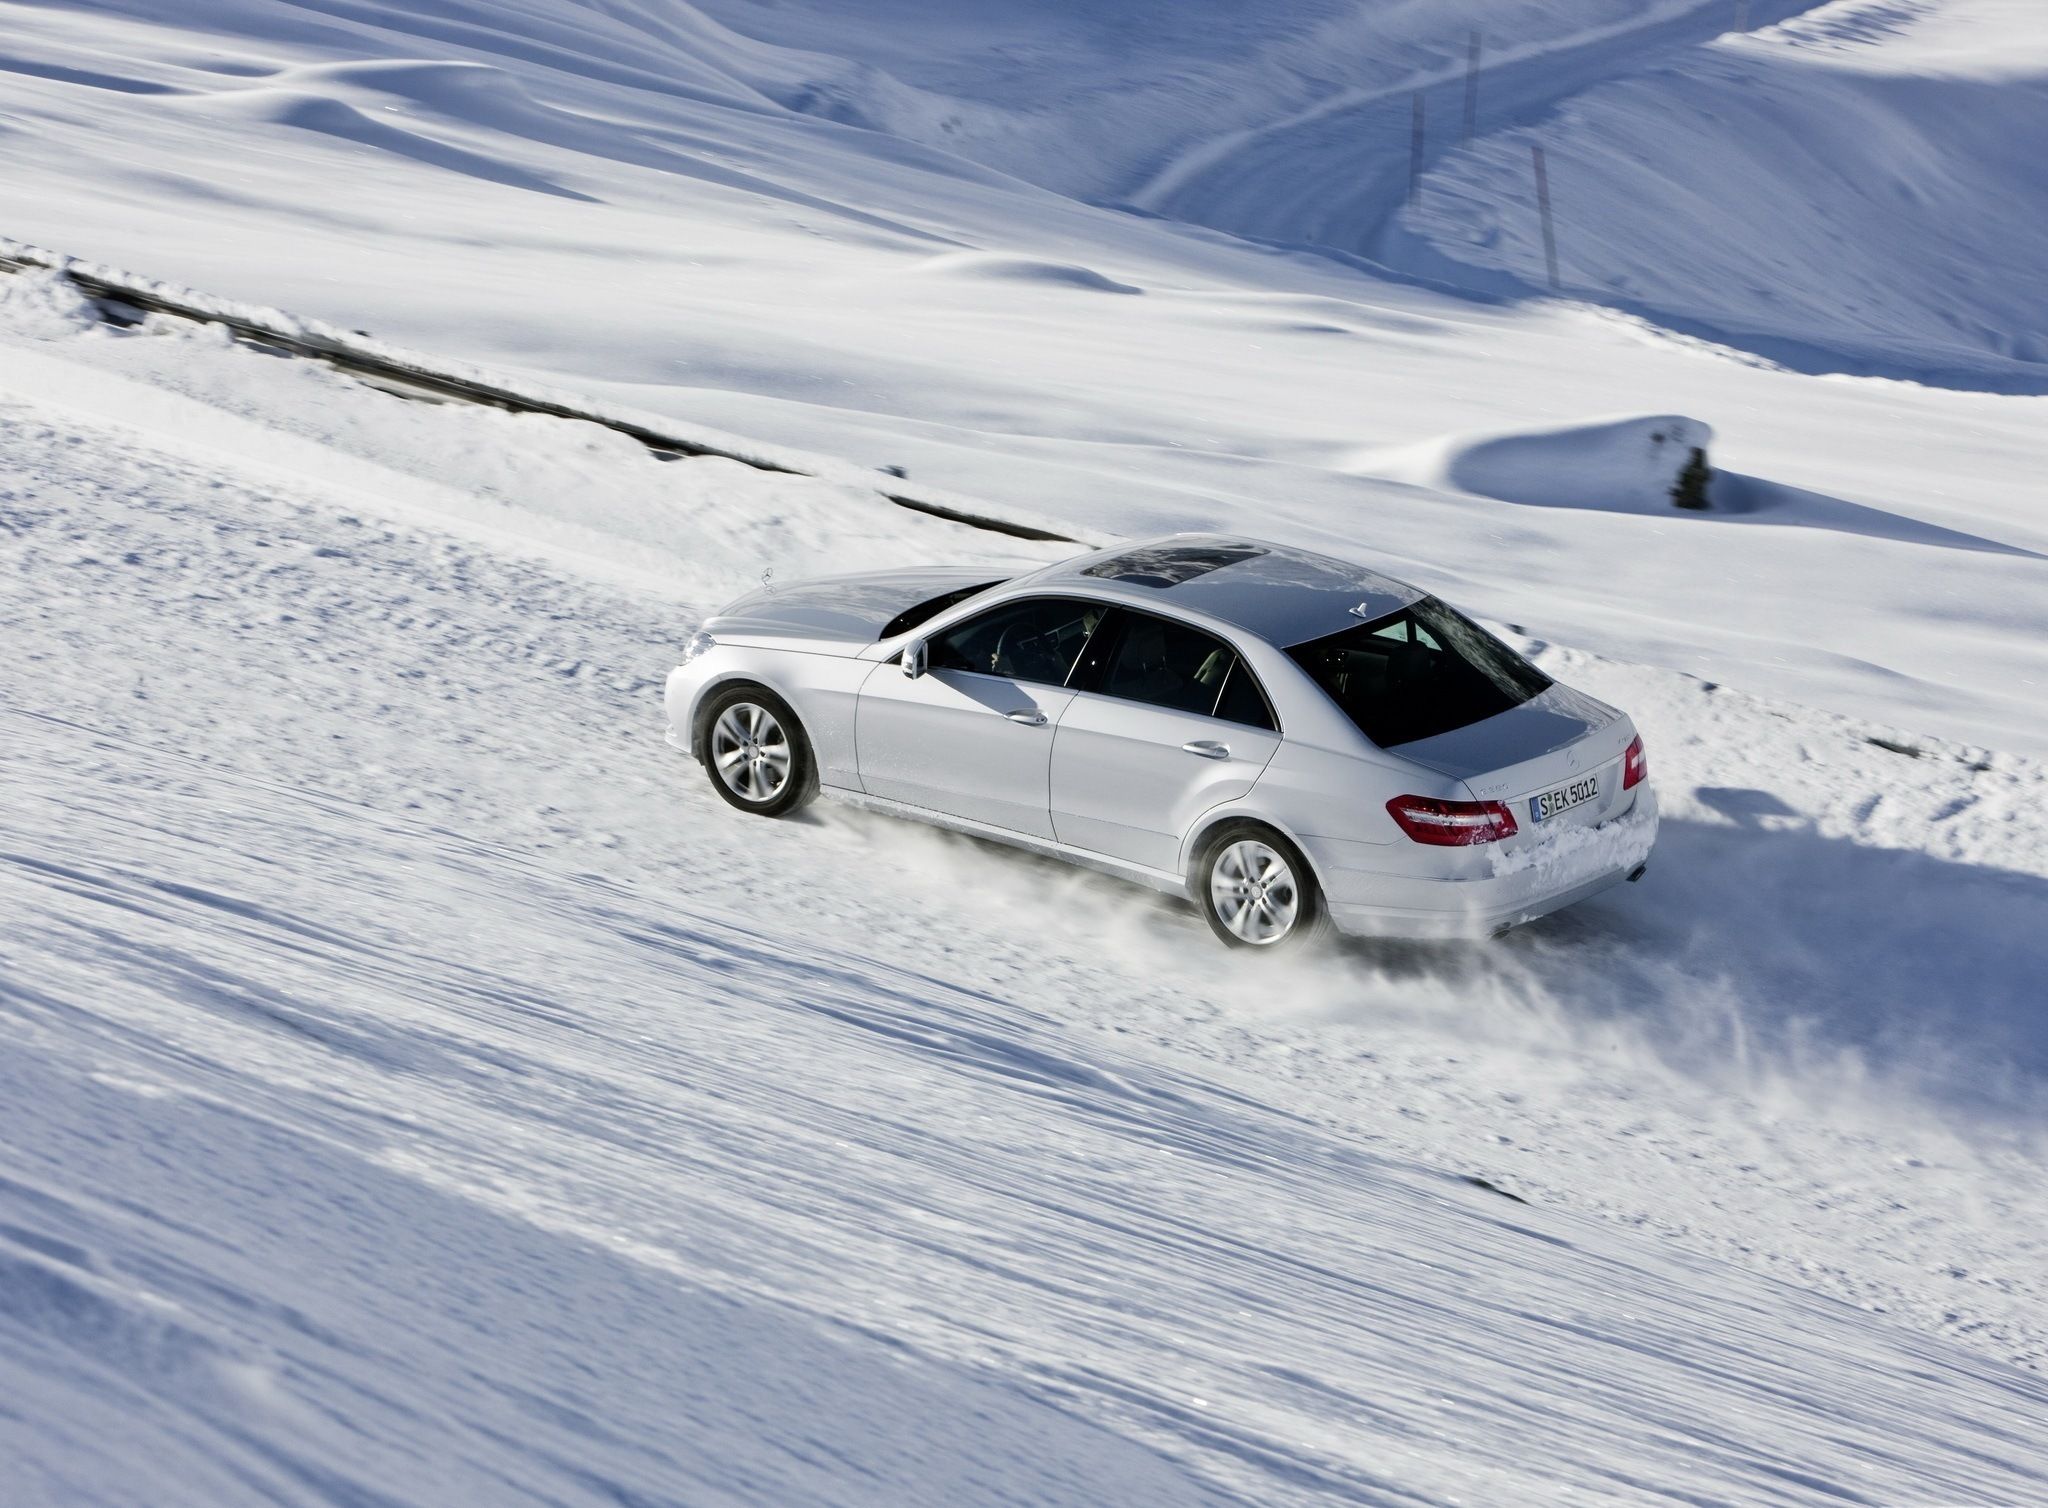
(1254, 892)
(750, 752)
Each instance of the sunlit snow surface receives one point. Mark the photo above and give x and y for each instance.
(420, 1089)
(416, 1088)
(702, 212)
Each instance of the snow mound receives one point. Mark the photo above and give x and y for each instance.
(1625, 465)
(994, 267)
(479, 92)
(313, 109)
(45, 305)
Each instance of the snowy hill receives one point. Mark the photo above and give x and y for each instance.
(418, 1089)
(613, 200)
(1858, 189)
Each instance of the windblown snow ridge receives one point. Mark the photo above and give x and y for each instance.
(358, 352)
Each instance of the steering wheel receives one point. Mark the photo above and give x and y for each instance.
(1017, 642)
(999, 654)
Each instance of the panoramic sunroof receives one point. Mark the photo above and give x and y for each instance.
(1170, 565)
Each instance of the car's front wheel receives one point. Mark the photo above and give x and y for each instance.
(1257, 891)
(755, 752)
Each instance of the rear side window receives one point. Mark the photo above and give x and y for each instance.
(1169, 664)
(1423, 670)
(1037, 639)
(1243, 701)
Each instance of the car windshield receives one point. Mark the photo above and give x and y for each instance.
(924, 612)
(1423, 670)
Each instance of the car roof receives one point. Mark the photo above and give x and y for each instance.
(1282, 594)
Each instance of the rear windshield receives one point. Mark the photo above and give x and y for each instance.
(1418, 672)
(924, 612)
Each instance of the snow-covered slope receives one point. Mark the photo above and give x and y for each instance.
(420, 1089)
(607, 199)
(1861, 189)
(1104, 101)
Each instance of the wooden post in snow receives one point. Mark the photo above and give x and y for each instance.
(1472, 87)
(1543, 213)
(1415, 150)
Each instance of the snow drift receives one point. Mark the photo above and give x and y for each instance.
(1627, 465)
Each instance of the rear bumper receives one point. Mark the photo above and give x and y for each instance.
(1518, 887)
(1463, 913)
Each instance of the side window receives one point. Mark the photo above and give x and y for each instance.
(1243, 702)
(1408, 631)
(1037, 639)
(1168, 664)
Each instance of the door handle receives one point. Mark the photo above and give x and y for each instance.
(1208, 748)
(1030, 717)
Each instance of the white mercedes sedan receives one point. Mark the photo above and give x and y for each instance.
(1288, 740)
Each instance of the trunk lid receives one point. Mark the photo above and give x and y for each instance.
(1553, 741)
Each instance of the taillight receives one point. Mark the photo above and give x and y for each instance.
(1451, 824)
(1635, 765)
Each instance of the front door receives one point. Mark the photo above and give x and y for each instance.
(972, 737)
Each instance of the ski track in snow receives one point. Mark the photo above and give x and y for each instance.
(419, 1088)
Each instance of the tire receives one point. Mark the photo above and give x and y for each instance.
(1257, 891)
(755, 751)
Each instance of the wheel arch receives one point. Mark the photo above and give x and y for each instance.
(1238, 811)
(706, 694)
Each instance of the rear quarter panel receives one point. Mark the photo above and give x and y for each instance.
(1326, 786)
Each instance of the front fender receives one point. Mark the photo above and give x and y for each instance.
(820, 689)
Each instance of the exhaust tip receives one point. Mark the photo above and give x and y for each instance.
(1637, 873)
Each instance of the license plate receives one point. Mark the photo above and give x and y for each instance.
(1549, 803)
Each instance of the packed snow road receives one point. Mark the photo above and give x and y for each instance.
(419, 1089)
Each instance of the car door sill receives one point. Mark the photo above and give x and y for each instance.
(1137, 874)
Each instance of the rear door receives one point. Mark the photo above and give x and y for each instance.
(1166, 723)
(972, 737)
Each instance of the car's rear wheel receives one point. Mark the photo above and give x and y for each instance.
(1257, 891)
(755, 752)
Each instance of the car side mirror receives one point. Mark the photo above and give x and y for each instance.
(914, 659)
